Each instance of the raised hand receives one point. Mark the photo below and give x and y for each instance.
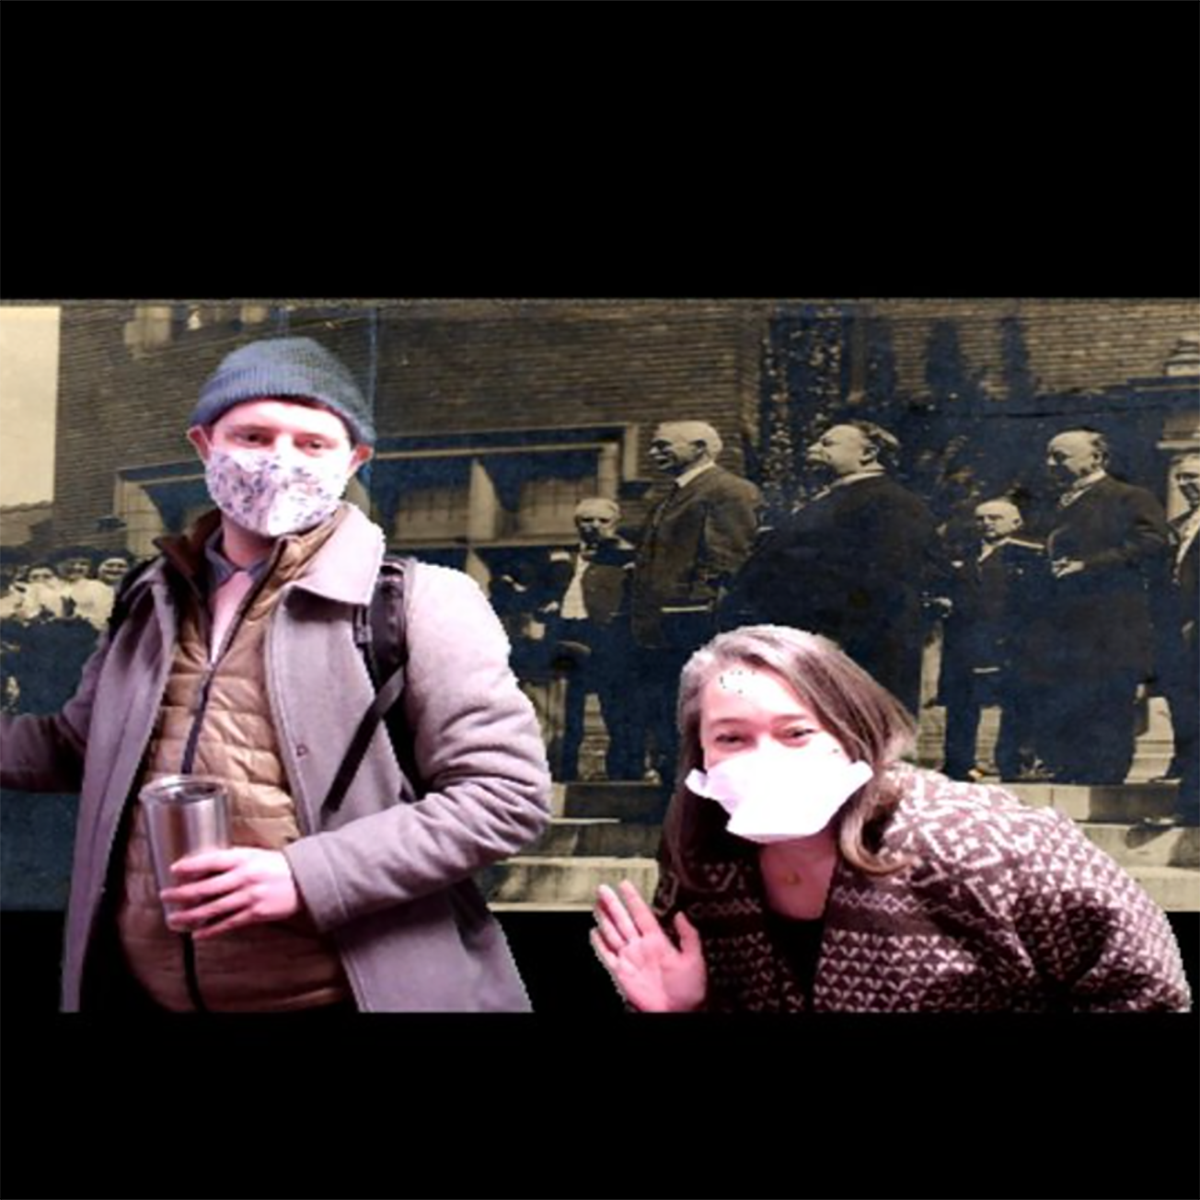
(649, 970)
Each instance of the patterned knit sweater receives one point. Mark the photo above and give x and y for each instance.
(1004, 908)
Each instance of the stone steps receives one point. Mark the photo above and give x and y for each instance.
(605, 832)
(602, 837)
(601, 833)
(641, 803)
(1135, 846)
(569, 884)
(1173, 889)
(565, 883)
(1120, 803)
(1164, 862)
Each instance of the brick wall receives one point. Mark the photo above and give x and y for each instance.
(442, 366)
(1073, 345)
(436, 368)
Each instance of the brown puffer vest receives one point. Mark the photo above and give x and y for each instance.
(268, 966)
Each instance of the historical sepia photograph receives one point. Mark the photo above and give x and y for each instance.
(611, 559)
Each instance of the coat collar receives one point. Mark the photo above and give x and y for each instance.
(344, 569)
(686, 477)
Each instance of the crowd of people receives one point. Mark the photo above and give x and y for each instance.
(1063, 627)
(52, 609)
(1059, 628)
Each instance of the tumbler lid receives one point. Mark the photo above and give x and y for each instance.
(181, 789)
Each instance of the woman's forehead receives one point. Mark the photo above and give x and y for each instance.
(742, 688)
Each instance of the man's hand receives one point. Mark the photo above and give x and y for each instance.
(1061, 567)
(221, 890)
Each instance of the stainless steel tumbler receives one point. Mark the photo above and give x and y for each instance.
(184, 815)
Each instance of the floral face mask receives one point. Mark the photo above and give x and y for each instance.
(270, 496)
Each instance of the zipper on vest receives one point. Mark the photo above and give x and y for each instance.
(210, 669)
(201, 706)
(190, 972)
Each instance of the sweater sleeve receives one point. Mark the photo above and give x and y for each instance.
(479, 752)
(1097, 939)
(671, 896)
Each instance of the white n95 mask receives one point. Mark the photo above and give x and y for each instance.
(777, 795)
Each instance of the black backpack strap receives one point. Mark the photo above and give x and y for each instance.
(387, 652)
(379, 631)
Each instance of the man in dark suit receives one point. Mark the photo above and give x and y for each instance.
(695, 539)
(1180, 645)
(588, 623)
(852, 562)
(1107, 538)
(996, 596)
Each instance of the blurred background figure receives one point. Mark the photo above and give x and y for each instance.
(588, 626)
(1179, 645)
(14, 565)
(852, 562)
(991, 636)
(40, 595)
(14, 561)
(112, 569)
(1106, 538)
(85, 596)
(695, 540)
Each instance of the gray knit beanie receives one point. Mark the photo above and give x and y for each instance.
(295, 366)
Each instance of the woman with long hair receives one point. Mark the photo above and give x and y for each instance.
(805, 866)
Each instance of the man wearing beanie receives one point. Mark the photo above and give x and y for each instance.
(237, 656)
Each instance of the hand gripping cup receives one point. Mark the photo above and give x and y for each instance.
(184, 815)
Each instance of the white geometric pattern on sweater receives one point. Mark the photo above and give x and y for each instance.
(1002, 907)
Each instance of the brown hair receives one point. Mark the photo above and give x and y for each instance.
(867, 720)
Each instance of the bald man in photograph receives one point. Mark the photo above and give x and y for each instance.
(588, 620)
(696, 538)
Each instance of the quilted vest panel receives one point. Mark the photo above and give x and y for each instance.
(271, 966)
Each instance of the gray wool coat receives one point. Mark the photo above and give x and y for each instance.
(377, 875)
